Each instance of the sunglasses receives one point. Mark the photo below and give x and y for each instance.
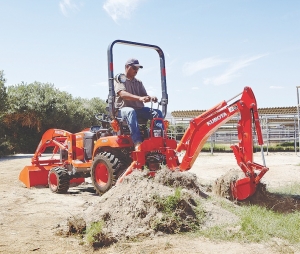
(134, 67)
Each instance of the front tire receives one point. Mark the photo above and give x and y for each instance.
(103, 171)
(58, 180)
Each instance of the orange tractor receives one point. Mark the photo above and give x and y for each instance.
(106, 152)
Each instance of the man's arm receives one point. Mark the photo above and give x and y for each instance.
(131, 97)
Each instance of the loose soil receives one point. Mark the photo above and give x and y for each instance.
(36, 220)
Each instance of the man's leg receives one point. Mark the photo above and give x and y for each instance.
(130, 116)
(148, 113)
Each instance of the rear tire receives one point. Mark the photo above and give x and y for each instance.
(58, 180)
(103, 171)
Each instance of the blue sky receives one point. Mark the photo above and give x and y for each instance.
(213, 48)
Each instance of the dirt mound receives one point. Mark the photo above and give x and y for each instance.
(177, 179)
(221, 186)
(143, 206)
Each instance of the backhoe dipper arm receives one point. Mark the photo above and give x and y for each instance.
(203, 126)
(244, 150)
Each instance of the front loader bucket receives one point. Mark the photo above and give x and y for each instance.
(243, 188)
(34, 175)
(38, 176)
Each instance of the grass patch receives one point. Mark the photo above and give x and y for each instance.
(180, 213)
(280, 147)
(291, 189)
(97, 238)
(257, 224)
(216, 148)
(94, 231)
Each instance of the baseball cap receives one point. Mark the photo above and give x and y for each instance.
(134, 62)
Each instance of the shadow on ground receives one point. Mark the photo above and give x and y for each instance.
(277, 202)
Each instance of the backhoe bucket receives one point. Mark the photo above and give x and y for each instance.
(34, 176)
(243, 188)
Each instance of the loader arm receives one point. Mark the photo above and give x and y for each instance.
(37, 173)
(52, 137)
(203, 126)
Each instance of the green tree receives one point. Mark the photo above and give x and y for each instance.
(3, 104)
(36, 107)
(3, 94)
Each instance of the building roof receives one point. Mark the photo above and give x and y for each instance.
(261, 111)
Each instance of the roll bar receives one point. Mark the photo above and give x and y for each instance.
(112, 95)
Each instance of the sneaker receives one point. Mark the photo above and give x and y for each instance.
(137, 146)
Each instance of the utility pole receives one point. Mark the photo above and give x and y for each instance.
(298, 112)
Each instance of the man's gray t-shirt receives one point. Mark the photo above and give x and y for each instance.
(133, 86)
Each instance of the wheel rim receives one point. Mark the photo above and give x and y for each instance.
(101, 174)
(53, 181)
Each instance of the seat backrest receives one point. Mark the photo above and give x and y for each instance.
(88, 144)
(124, 126)
(142, 126)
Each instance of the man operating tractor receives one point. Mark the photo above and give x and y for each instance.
(130, 98)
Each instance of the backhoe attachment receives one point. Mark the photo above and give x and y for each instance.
(203, 126)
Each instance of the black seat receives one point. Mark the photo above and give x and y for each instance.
(142, 126)
(124, 126)
(88, 144)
